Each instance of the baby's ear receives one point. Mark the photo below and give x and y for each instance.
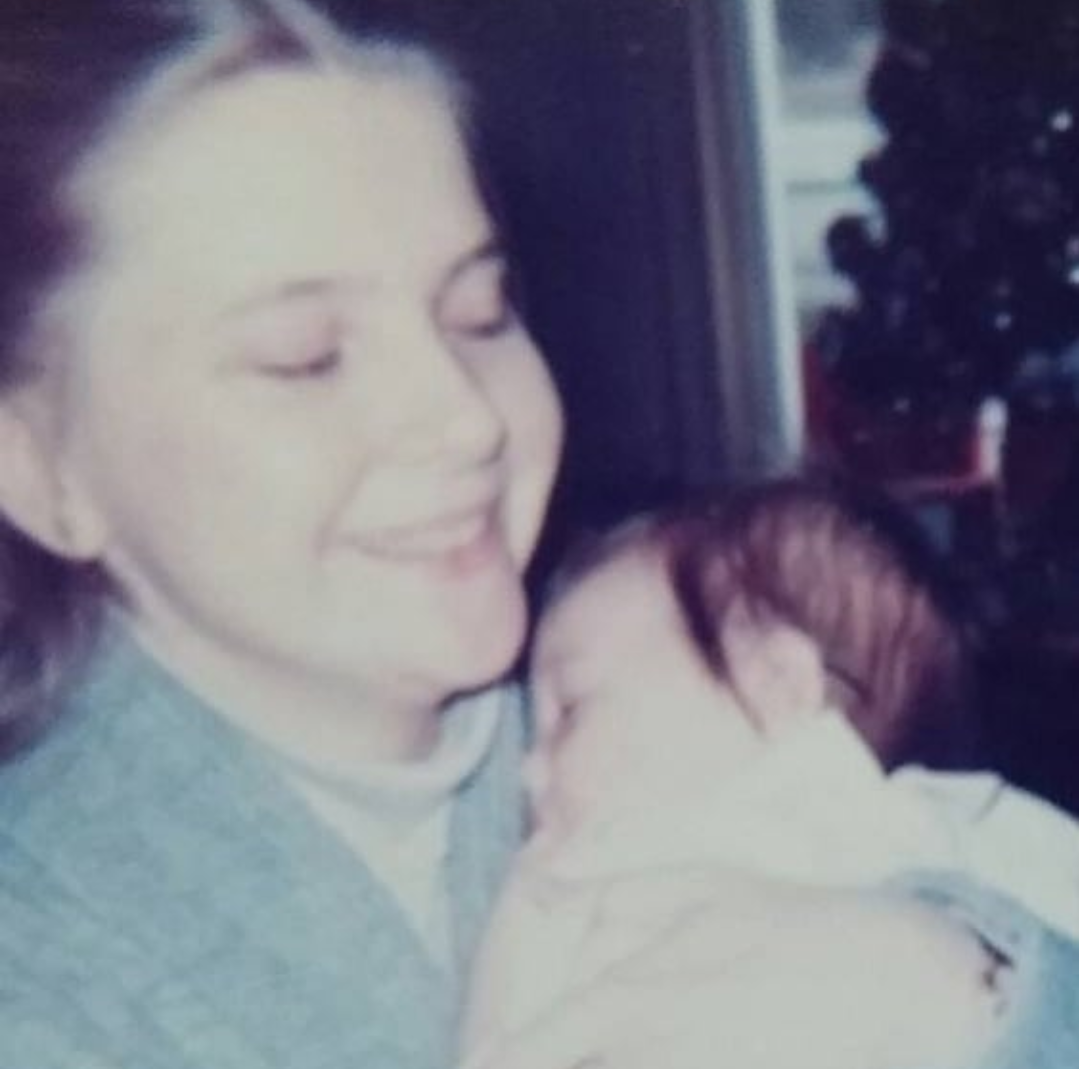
(775, 669)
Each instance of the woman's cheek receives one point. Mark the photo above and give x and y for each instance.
(536, 427)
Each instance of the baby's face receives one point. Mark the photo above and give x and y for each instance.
(627, 713)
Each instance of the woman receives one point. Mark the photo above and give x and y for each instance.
(275, 450)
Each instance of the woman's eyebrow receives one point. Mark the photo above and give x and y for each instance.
(294, 290)
(488, 250)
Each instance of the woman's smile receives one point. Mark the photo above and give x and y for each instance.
(455, 538)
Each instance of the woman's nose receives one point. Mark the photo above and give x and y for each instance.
(450, 414)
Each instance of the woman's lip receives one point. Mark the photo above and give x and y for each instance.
(435, 539)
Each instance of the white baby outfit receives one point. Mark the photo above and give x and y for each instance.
(817, 808)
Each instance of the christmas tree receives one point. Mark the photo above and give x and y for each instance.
(967, 279)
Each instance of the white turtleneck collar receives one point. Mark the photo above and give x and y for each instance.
(396, 815)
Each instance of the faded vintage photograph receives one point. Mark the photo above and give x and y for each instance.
(539, 534)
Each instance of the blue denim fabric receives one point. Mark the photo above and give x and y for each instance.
(1039, 1028)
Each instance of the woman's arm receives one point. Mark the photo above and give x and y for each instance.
(942, 976)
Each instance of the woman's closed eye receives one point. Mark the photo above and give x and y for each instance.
(295, 335)
(477, 303)
(496, 322)
(322, 364)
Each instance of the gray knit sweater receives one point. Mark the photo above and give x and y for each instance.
(167, 903)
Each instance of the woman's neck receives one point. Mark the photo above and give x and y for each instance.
(313, 718)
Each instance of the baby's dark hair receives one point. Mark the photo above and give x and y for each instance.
(844, 565)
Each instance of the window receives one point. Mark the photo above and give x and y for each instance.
(827, 49)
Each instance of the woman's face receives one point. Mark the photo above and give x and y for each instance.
(310, 438)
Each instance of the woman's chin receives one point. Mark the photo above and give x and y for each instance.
(483, 639)
(494, 654)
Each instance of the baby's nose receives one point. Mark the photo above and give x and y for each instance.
(535, 777)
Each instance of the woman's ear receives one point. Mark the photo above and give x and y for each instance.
(35, 495)
(775, 669)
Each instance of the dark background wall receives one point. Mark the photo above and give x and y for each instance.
(596, 153)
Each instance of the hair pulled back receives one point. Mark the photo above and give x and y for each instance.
(841, 563)
(70, 72)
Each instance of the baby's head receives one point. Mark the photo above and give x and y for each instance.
(625, 707)
(675, 647)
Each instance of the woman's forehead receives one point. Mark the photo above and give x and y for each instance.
(291, 170)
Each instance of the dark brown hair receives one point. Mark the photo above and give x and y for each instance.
(71, 71)
(844, 565)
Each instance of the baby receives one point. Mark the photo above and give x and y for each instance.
(734, 695)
